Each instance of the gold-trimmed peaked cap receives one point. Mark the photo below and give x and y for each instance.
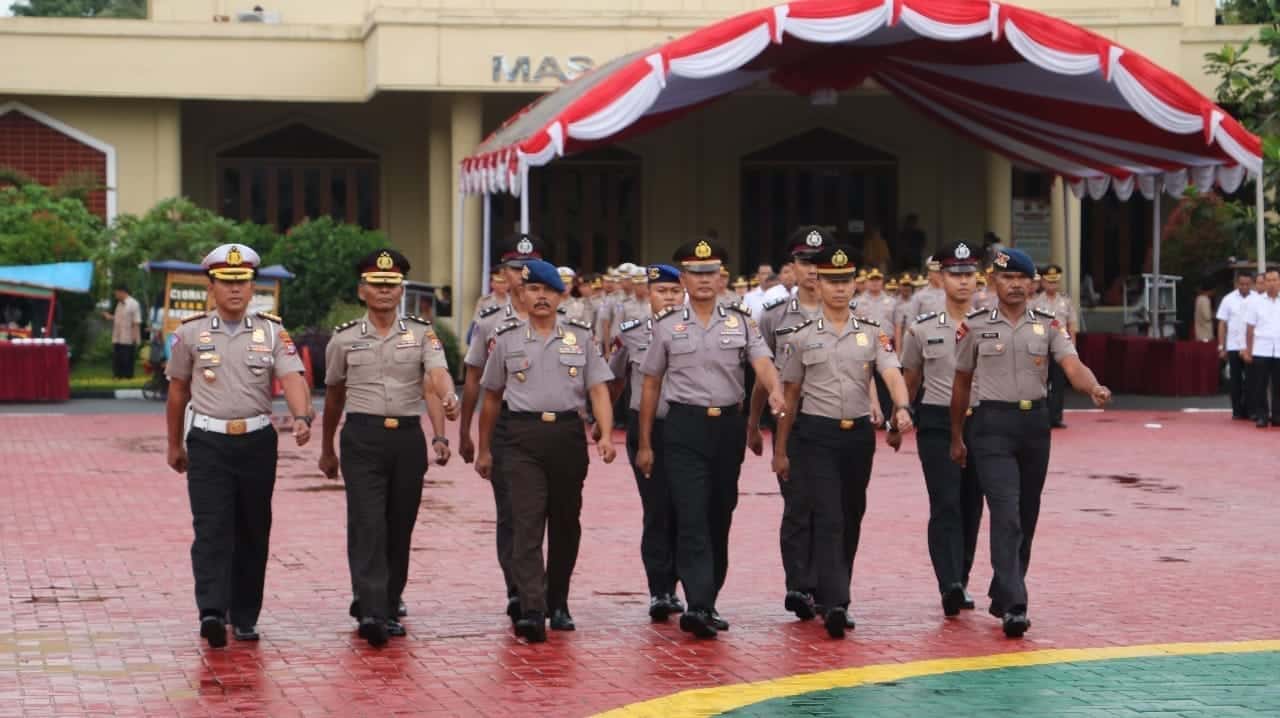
(232, 263)
(808, 240)
(700, 255)
(835, 260)
(383, 266)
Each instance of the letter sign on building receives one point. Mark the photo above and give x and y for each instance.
(520, 69)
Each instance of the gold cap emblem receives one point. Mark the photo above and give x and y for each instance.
(703, 250)
(233, 256)
(813, 239)
(1002, 260)
(654, 272)
(839, 259)
(385, 261)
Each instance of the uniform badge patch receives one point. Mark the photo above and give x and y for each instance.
(862, 340)
(731, 321)
(570, 339)
(962, 331)
(259, 336)
(886, 342)
(1038, 329)
(210, 375)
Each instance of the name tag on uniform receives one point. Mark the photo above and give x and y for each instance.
(991, 335)
(204, 348)
(362, 345)
(819, 345)
(259, 348)
(679, 336)
(732, 333)
(937, 340)
(570, 349)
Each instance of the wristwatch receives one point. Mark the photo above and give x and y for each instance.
(440, 439)
(305, 419)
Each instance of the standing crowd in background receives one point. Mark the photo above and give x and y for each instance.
(1248, 336)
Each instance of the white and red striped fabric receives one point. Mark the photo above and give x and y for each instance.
(1039, 90)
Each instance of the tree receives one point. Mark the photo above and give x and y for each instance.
(1249, 12)
(133, 9)
(323, 255)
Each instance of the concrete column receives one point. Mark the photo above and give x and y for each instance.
(1072, 263)
(167, 173)
(465, 117)
(439, 193)
(999, 196)
(1057, 229)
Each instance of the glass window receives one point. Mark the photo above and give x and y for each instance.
(258, 195)
(338, 193)
(284, 199)
(312, 204)
(366, 198)
(230, 192)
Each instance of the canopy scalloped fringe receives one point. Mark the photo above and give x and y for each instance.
(1039, 90)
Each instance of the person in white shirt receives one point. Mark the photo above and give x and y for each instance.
(1262, 350)
(1231, 336)
(785, 288)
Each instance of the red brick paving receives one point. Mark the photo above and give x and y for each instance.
(1148, 535)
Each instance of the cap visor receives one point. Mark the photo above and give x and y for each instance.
(701, 266)
(382, 277)
(232, 275)
(960, 268)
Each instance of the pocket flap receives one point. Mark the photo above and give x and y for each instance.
(573, 359)
(517, 363)
(991, 349)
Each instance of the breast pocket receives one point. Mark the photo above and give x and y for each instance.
(260, 364)
(360, 365)
(991, 354)
(1038, 348)
(408, 355)
(814, 357)
(573, 364)
(682, 352)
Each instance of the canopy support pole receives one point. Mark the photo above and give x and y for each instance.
(1261, 229)
(1153, 301)
(484, 237)
(459, 228)
(524, 198)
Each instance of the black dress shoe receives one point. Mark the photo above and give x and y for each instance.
(719, 623)
(395, 628)
(1016, 623)
(245, 633)
(1059, 425)
(801, 604)
(401, 609)
(674, 602)
(659, 608)
(374, 631)
(562, 621)
(968, 604)
(532, 627)
(214, 630)
(836, 621)
(354, 610)
(996, 610)
(513, 609)
(1261, 423)
(953, 600)
(697, 622)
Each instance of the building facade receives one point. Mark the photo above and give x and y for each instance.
(361, 110)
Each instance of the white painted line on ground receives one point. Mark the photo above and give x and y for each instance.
(129, 394)
(1082, 411)
(1153, 426)
(1193, 410)
(20, 414)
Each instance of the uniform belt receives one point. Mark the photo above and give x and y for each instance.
(841, 424)
(549, 417)
(1024, 405)
(232, 427)
(730, 410)
(945, 410)
(386, 422)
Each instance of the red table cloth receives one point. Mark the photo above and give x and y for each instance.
(34, 372)
(1133, 364)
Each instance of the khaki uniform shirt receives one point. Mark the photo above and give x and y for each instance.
(703, 366)
(1060, 307)
(630, 310)
(630, 346)
(784, 314)
(478, 349)
(543, 374)
(383, 374)
(929, 346)
(488, 301)
(927, 300)
(984, 299)
(834, 370)
(1012, 358)
(577, 308)
(880, 309)
(125, 321)
(230, 374)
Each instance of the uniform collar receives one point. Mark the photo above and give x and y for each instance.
(215, 321)
(365, 324)
(529, 336)
(820, 324)
(995, 317)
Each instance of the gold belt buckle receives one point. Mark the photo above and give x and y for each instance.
(549, 416)
(713, 411)
(1025, 405)
(391, 423)
(235, 427)
(846, 424)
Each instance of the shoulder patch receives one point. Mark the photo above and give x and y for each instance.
(507, 327)
(781, 331)
(665, 313)
(193, 317)
(418, 319)
(975, 313)
(580, 324)
(776, 302)
(488, 311)
(866, 320)
(272, 317)
(740, 308)
(630, 324)
(1044, 313)
(920, 319)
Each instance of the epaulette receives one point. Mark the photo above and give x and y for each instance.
(925, 317)
(272, 317)
(489, 310)
(779, 301)
(793, 328)
(344, 327)
(507, 327)
(665, 313)
(418, 319)
(193, 317)
(630, 324)
(975, 313)
(867, 320)
(579, 324)
(562, 309)
(740, 308)
(1044, 312)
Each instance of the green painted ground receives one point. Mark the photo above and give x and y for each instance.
(1221, 685)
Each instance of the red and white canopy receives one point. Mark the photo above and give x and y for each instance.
(1041, 91)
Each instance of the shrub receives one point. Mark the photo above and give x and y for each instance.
(323, 254)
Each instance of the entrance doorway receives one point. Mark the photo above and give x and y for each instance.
(817, 177)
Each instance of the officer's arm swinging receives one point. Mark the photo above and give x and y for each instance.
(961, 389)
(489, 411)
(174, 411)
(335, 400)
(767, 376)
(298, 396)
(649, 394)
(781, 461)
(912, 378)
(470, 397)
(1083, 379)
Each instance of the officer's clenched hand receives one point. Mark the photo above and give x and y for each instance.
(902, 420)
(877, 417)
(442, 452)
(178, 459)
(329, 464)
(755, 441)
(484, 465)
(466, 448)
(451, 406)
(595, 431)
(1101, 396)
(301, 432)
(893, 439)
(777, 403)
(644, 462)
(959, 452)
(782, 465)
(607, 452)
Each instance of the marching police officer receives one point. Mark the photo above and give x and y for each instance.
(830, 360)
(538, 376)
(1054, 302)
(222, 362)
(1011, 347)
(955, 499)
(380, 368)
(516, 251)
(658, 540)
(699, 351)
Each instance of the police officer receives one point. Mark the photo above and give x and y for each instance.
(658, 540)
(795, 533)
(222, 362)
(983, 298)
(955, 499)
(1011, 348)
(928, 296)
(380, 368)
(699, 351)
(538, 376)
(1058, 305)
(516, 251)
(830, 359)
(497, 297)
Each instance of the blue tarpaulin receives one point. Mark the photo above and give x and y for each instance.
(62, 276)
(275, 271)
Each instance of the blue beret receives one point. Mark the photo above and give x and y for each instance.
(537, 271)
(663, 273)
(1015, 260)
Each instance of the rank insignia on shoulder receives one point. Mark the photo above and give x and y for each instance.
(740, 308)
(193, 317)
(507, 327)
(775, 302)
(630, 324)
(562, 309)
(782, 331)
(270, 316)
(975, 313)
(418, 319)
(348, 325)
(866, 320)
(489, 311)
(579, 324)
(920, 319)
(665, 313)
(1044, 313)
